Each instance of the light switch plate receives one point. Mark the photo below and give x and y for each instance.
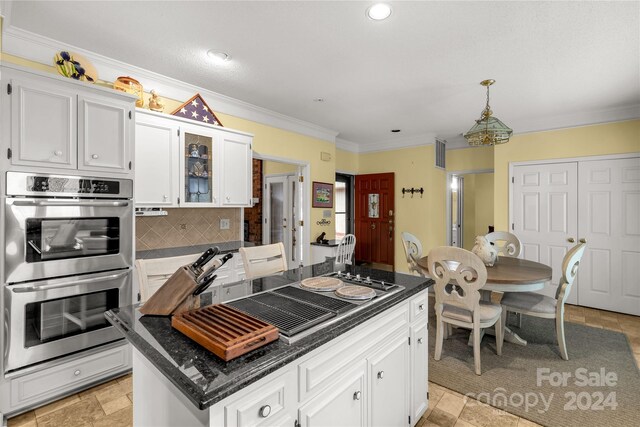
(224, 224)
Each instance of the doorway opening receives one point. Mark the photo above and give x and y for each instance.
(343, 205)
(280, 206)
(469, 206)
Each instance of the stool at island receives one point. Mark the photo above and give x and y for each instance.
(175, 296)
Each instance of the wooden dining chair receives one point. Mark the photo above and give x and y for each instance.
(538, 305)
(344, 253)
(459, 275)
(507, 244)
(261, 261)
(413, 251)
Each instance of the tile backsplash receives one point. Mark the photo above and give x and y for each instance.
(186, 227)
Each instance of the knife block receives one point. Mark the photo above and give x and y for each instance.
(175, 296)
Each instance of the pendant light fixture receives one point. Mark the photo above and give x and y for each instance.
(488, 130)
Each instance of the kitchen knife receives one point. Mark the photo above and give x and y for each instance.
(204, 285)
(216, 265)
(204, 258)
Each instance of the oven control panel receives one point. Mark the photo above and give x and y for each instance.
(25, 184)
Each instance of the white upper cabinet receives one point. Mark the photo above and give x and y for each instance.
(235, 170)
(190, 165)
(157, 174)
(103, 134)
(43, 123)
(54, 123)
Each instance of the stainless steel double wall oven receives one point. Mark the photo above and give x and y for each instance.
(68, 259)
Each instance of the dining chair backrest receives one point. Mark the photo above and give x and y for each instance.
(507, 244)
(570, 264)
(413, 251)
(261, 261)
(463, 270)
(344, 253)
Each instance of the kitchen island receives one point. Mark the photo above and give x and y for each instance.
(368, 368)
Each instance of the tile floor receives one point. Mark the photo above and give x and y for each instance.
(110, 404)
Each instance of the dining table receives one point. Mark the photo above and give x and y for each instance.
(510, 274)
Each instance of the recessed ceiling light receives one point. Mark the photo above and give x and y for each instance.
(395, 130)
(318, 99)
(379, 11)
(219, 56)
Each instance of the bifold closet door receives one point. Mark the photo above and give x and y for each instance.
(609, 221)
(545, 215)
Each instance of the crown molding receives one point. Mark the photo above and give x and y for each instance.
(345, 145)
(41, 49)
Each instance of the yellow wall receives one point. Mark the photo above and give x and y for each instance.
(484, 203)
(271, 168)
(424, 217)
(469, 214)
(347, 161)
(467, 159)
(596, 140)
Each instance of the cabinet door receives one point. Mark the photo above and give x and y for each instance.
(103, 134)
(389, 375)
(235, 169)
(43, 124)
(340, 405)
(199, 180)
(419, 368)
(156, 158)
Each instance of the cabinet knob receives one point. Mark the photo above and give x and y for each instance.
(583, 240)
(164, 198)
(77, 372)
(571, 240)
(421, 307)
(265, 411)
(420, 340)
(94, 156)
(356, 395)
(57, 153)
(381, 375)
(228, 198)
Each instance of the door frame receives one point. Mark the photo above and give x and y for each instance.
(447, 197)
(557, 160)
(304, 204)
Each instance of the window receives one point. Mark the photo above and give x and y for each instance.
(343, 205)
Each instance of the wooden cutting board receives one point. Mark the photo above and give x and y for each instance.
(224, 331)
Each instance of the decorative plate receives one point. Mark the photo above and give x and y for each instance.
(75, 67)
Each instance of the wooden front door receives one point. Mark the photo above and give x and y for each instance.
(375, 218)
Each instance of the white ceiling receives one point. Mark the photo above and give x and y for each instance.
(557, 64)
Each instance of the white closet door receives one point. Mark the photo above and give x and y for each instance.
(545, 215)
(609, 206)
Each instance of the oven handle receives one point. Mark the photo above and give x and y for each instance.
(96, 203)
(36, 288)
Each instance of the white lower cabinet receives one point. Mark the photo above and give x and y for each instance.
(419, 352)
(341, 405)
(49, 383)
(388, 376)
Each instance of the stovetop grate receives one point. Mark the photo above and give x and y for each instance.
(286, 314)
(332, 304)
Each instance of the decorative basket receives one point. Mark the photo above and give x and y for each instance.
(130, 85)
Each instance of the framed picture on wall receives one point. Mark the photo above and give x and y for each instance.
(322, 195)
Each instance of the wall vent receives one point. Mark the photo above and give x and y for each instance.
(440, 153)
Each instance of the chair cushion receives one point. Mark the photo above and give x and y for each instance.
(530, 301)
(487, 311)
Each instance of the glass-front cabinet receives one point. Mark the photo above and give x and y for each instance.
(199, 152)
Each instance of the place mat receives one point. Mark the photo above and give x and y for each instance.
(323, 284)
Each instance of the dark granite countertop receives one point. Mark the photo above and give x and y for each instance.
(331, 243)
(204, 378)
(188, 250)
